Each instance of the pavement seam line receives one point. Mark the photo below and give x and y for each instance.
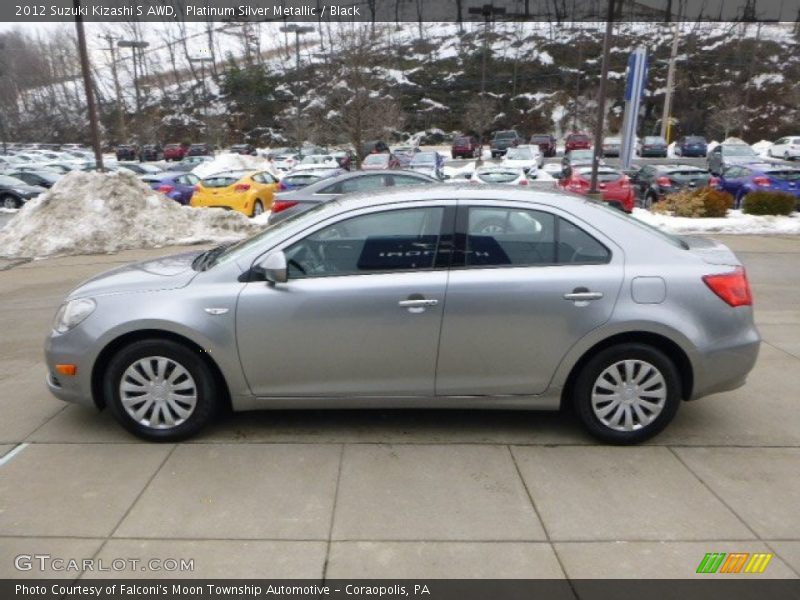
(333, 514)
(779, 349)
(6, 458)
(110, 536)
(714, 493)
(53, 416)
(541, 520)
(783, 560)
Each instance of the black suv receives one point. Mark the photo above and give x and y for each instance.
(151, 152)
(243, 149)
(200, 150)
(502, 141)
(126, 152)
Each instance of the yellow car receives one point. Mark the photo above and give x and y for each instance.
(249, 192)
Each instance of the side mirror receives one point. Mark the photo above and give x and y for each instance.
(274, 267)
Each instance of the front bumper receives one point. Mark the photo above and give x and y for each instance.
(69, 348)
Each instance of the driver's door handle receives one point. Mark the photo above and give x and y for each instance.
(418, 303)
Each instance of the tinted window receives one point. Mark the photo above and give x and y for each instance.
(395, 240)
(360, 184)
(219, 181)
(407, 180)
(517, 237)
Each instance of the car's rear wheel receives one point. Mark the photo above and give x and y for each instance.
(160, 390)
(627, 393)
(258, 208)
(650, 199)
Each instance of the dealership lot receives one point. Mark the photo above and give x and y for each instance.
(402, 494)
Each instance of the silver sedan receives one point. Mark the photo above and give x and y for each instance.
(443, 297)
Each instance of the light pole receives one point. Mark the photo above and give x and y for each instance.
(601, 97)
(487, 11)
(665, 117)
(297, 30)
(203, 61)
(134, 45)
(87, 84)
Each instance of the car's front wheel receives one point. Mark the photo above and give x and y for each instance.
(10, 201)
(627, 393)
(160, 390)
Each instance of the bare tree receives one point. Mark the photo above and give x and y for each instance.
(479, 115)
(358, 100)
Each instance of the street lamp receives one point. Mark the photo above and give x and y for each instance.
(203, 61)
(134, 45)
(297, 30)
(487, 11)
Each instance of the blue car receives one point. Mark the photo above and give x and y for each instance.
(175, 185)
(297, 179)
(740, 180)
(691, 145)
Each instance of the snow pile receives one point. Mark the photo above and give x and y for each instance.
(232, 162)
(762, 148)
(86, 213)
(735, 223)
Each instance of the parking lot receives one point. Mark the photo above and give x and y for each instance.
(425, 494)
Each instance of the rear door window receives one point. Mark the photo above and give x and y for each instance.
(512, 237)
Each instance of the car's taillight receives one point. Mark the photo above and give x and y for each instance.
(732, 287)
(713, 181)
(241, 187)
(663, 181)
(523, 182)
(280, 205)
(761, 180)
(165, 189)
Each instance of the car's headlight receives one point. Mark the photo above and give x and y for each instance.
(72, 313)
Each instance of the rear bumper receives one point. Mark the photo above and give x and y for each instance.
(725, 366)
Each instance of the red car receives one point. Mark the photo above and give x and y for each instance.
(577, 141)
(465, 146)
(175, 151)
(614, 185)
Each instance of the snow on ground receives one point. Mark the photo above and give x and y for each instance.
(8, 210)
(96, 213)
(735, 223)
(232, 162)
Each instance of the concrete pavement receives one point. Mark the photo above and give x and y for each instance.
(424, 494)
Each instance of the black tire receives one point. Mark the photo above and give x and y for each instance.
(206, 389)
(650, 199)
(9, 201)
(258, 208)
(591, 371)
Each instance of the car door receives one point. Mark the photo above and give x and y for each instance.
(360, 314)
(526, 284)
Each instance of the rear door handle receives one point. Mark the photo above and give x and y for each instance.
(583, 296)
(418, 303)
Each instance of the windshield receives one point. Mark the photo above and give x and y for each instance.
(424, 158)
(376, 159)
(695, 139)
(581, 155)
(784, 175)
(672, 239)
(219, 181)
(602, 176)
(519, 154)
(498, 176)
(688, 175)
(6, 180)
(540, 139)
(315, 159)
(654, 140)
(505, 135)
(739, 150)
